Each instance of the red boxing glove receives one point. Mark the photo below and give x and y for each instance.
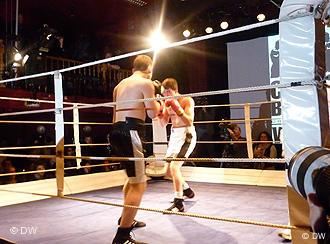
(175, 105)
(161, 108)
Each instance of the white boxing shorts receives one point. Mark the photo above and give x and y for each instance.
(182, 142)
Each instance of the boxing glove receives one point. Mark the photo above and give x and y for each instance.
(175, 105)
(161, 106)
(158, 87)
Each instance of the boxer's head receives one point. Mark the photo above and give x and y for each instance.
(143, 63)
(170, 86)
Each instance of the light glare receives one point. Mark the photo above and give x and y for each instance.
(158, 41)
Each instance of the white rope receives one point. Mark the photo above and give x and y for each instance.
(175, 44)
(53, 170)
(237, 104)
(197, 94)
(224, 160)
(39, 101)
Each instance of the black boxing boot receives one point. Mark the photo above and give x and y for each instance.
(123, 236)
(177, 205)
(135, 224)
(188, 193)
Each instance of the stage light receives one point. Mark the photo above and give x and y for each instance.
(261, 17)
(158, 40)
(224, 25)
(17, 57)
(186, 33)
(208, 30)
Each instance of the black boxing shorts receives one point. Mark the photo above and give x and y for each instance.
(125, 141)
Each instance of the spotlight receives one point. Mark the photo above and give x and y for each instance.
(158, 40)
(261, 17)
(208, 30)
(224, 25)
(186, 33)
(19, 60)
(49, 36)
(17, 57)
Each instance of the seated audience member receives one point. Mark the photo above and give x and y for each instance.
(6, 167)
(264, 149)
(41, 174)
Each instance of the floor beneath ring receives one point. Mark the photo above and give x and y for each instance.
(66, 221)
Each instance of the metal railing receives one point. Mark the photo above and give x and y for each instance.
(95, 81)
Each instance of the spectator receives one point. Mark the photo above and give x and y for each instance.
(235, 150)
(6, 166)
(41, 174)
(264, 149)
(87, 169)
(68, 163)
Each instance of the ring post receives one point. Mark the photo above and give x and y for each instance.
(76, 134)
(305, 117)
(59, 133)
(248, 132)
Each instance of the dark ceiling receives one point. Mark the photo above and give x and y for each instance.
(121, 24)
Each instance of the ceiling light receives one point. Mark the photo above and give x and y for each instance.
(158, 40)
(224, 25)
(261, 17)
(208, 30)
(186, 33)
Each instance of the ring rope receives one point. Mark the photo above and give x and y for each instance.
(51, 122)
(52, 146)
(96, 158)
(197, 94)
(230, 120)
(81, 104)
(27, 147)
(53, 170)
(170, 45)
(186, 214)
(237, 104)
(40, 101)
(110, 123)
(147, 142)
(218, 142)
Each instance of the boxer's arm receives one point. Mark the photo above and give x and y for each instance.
(188, 114)
(153, 106)
(164, 117)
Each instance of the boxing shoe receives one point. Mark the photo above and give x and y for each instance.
(177, 205)
(136, 224)
(123, 236)
(188, 193)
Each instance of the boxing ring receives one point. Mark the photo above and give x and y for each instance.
(94, 223)
(231, 205)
